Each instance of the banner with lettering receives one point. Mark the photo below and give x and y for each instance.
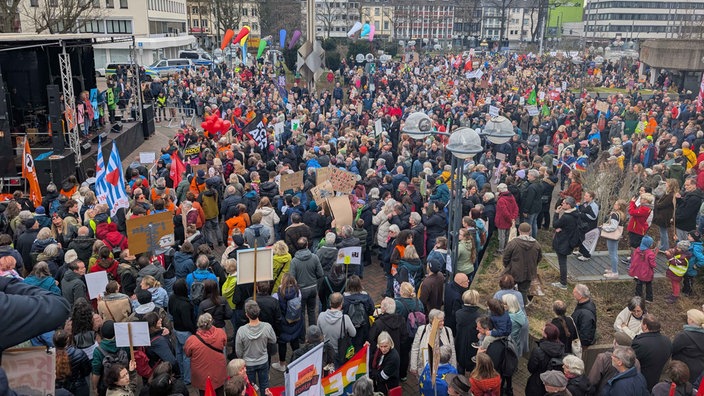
(30, 371)
(340, 382)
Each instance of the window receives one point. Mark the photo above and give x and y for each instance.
(204, 23)
(123, 4)
(377, 11)
(34, 3)
(386, 25)
(194, 10)
(244, 12)
(195, 23)
(110, 3)
(92, 27)
(118, 26)
(255, 11)
(53, 3)
(96, 3)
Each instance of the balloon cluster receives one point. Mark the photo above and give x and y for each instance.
(215, 125)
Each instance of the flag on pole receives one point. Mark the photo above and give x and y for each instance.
(113, 179)
(101, 188)
(256, 131)
(532, 98)
(177, 168)
(29, 173)
(209, 390)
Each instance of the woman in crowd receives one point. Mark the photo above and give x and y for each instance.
(506, 215)
(121, 380)
(519, 323)
(565, 325)
(291, 331)
(574, 189)
(161, 349)
(160, 297)
(238, 368)
(214, 304)
(205, 348)
(282, 262)
(677, 381)
(72, 365)
(548, 347)
(164, 381)
(184, 322)
(466, 323)
(406, 303)
(566, 236)
(385, 364)
(686, 344)
(269, 218)
(630, 318)
(616, 218)
(467, 253)
(355, 294)
(41, 277)
(334, 282)
(484, 379)
(114, 305)
(664, 209)
(420, 342)
(105, 262)
(83, 326)
(577, 383)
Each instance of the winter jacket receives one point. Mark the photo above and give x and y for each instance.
(113, 239)
(488, 386)
(208, 362)
(330, 323)
(574, 190)
(519, 331)
(638, 222)
(220, 311)
(568, 238)
(688, 347)
(269, 219)
(250, 235)
(289, 330)
(506, 211)
(431, 292)
(539, 362)
(441, 193)
(663, 389)
(154, 270)
(183, 264)
(653, 351)
(359, 298)
(584, 316)
(435, 226)
(633, 325)
(201, 275)
(452, 302)
(696, 260)
(281, 266)
(663, 210)
(420, 346)
(293, 233)
(115, 307)
(331, 283)
(162, 350)
(47, 283)
(521, 258)
(502, 325)
(687, 210)
(24, 246)
(466, 323)
(73, 287)
(382, 222)
(182, 311)
(306, 268)
(643, 265)
(83, 246)
(251, 343)
(627, 383)
(580, 386)
(426, 380)
(393, 324)
(603, 370)
(327, 255)
(531, 201)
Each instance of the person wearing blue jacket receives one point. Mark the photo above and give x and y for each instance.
(444, 368)
(201, 273)
(695, 262)
(628, 381)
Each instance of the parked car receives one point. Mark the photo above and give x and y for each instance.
(165, 67)
(198, 58)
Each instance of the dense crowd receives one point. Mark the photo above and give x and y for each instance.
(189, 294)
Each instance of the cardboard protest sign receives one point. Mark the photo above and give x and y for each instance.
(246, 265)
(500, 156)
(291, 181)
(96, 282)
(532, 110)
(602, 106)
(30, 371)
(196, 168)
(341, 210)
(148, 157)
(343, 181)
(349, 255)
(322, 174)
(192, 150)
(140, 334)
(150, 233)
(378, 127)
(321, 192)
(493, 111)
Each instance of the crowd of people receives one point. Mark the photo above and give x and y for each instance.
(189, 294)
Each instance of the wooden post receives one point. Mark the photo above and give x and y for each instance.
(129, 334)
(255, 270)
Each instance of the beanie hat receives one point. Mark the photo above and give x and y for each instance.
(108, 329)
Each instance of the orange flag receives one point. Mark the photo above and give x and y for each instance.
(209, 391)
(29, 173)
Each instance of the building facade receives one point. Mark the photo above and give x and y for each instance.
(203, 18)
(333, 18)
(647, 19)
(381, 15)
(431, 23)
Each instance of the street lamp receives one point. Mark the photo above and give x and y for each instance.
(498, 130)
(463, 143)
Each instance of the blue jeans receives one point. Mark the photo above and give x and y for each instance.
(184, 362)
(613, 254)
(532, 219)
(664, 238)
(309, 297)
(261, 372)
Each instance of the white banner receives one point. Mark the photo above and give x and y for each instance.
(30, 371)
(350, 255)
(304, 375)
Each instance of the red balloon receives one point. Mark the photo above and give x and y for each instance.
(204, 125)
(238, 112)
(227, 125)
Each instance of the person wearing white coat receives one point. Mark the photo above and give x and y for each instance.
(269, 218)
(419, 350)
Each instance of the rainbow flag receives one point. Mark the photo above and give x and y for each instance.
(343, 378)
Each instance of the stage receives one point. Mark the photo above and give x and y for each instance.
(58, 168)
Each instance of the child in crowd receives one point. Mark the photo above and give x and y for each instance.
(696, 261)
(500, 321)
(642, 268)
(678, 261)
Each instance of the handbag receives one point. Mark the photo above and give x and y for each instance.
(614, 235)
(345, 349)
(576, 343)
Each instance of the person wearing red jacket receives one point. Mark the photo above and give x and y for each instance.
(640, 211)
(642, 268)
(106, 263)
(506, 215)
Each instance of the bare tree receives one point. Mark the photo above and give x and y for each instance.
(228, 14)
(61, 16)
(328, 12)
(503, 6)
(280, 14)
(9, 15)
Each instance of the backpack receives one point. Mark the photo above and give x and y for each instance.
(54, 207)
(509, 361)
(144, 366)
(110, 359)
(116, 250)
(414, 319)
(555, 364)
(197, 290)
(294, 310)
(127, 274)
(358, 314)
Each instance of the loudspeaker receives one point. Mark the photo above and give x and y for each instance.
(148, 126)
(116, 127)
(85, 147)
(7, 158)
(102, 135)
(57, 135)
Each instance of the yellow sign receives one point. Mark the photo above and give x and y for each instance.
(253, 42)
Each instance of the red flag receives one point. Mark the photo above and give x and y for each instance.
(29, 173)
(177, 168)
(209, 391)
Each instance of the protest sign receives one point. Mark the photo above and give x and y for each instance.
(500, 156)
(321, 192)
(140, 334)
(196, 168)
(192, 150)
(341, 211)
(30, 371)
(378, 128)
(532, 110)
(602, 106)
(304, 375)
(493, 111)
(349, 255)
(322, 174)
(342, 180)
(291, 181)
(254, 265)
(150, 233)
(96, 282)
(295, 124)
(278, 129)
(148, 157)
